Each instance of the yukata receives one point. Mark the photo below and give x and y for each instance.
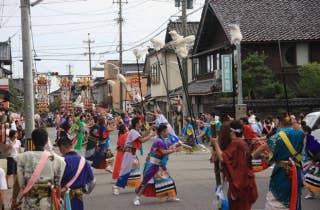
(99, 158)
(130, 174)
(311, 164)
(280, 183)
(39, 197)
(81, 131)
(242, 192)
(72, 160)
(93, 140)
(119, 156)
(156, 180)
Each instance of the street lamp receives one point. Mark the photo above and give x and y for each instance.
(236, 38)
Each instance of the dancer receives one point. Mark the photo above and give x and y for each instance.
(81, 130)
(50, 167)
(286, 179)
(130, 169)
(235, 157)
(311, 164)
(123, 135)
(99, 161)
(73, 182)
(156, 180)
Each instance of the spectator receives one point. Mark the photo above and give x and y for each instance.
(16, 149)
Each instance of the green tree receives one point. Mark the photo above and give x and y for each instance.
(16, 103)
(309, 77)
(258, 79)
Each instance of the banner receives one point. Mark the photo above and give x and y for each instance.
(227, 78)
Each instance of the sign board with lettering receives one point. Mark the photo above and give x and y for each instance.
(227, 78)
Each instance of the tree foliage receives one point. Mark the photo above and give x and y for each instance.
(309, 77)
(16, 103)
(258, 79)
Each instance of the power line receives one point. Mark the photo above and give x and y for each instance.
(62, 24)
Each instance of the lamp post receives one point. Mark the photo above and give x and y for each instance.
(236, 38)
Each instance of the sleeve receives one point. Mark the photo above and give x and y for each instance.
(272, 142)
(158, 146)
(59, 167)
(3, 182)
(90, 176)
(133, 135)
(21, 159)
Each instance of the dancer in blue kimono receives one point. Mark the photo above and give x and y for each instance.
(286, 180)
(84, 182)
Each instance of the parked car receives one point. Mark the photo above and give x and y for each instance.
(313, 121)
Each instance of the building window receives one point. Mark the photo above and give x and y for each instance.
(196, 67)
(211, 63)
(288, 54)
(155, 74)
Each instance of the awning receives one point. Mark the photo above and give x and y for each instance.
(197, 87)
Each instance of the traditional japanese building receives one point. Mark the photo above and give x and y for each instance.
(163, 71)
(286, 31)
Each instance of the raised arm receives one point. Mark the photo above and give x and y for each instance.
(147, 138)
(217, 148)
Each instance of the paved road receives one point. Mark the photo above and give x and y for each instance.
(194, 178)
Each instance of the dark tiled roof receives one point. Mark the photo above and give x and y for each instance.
(271, 20)
(197, 87)
(192, 29)
(5, 53)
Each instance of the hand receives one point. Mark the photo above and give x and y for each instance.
(152, 133)
(214, 140)
(177, 149)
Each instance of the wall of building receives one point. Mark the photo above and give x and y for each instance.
(158, 89)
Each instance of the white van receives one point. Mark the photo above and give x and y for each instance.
(313, 121)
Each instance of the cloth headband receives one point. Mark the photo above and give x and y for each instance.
(236, 130)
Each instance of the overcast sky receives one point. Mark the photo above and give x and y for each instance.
(61, 26)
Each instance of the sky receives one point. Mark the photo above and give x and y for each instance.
(60, 27)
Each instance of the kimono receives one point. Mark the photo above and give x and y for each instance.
(311, 164)
(242, 192)
(156, 180)
(93, 139)
(280, 182)
(120, 151)
(72, 160)
(39, 199)
(99, 159)
(130, 168)
(80, 135)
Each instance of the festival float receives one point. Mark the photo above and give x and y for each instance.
(66, 102)
(42, 99)
(84, 100)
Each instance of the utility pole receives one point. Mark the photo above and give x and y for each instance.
(184, 61)
(120, 22)
(69, 66)
(89, 42)
(27, 68)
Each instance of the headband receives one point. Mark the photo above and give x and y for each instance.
(236, 130)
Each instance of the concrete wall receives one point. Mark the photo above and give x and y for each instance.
(171, 73)
(302, 53)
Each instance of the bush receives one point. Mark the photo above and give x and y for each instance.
(309, 80)
(258, 79)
